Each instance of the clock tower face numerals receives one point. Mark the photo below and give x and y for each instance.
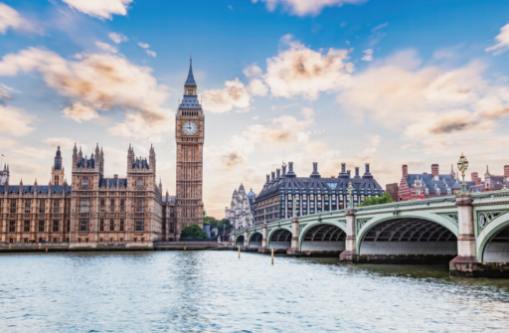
(189, 128)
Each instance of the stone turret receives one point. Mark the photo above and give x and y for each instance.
(57, 171)
(4, 175)
(152, 157)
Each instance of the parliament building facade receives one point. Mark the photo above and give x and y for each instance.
(95, 211)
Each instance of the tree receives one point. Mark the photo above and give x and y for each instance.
(193, 232)
(377, 200)
(223, 226)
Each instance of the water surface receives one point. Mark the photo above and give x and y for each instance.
(217, 292)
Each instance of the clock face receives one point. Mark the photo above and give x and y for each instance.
(189, 128)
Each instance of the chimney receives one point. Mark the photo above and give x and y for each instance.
(267, 178)
(506, 171)
(278, 173)
(367, 172)
(290, 170)
(284, 169)
(357, 172)
(475, 178)
(434, 170)
(315, 173)
(273, 175)
(343, 168)
(404, 171)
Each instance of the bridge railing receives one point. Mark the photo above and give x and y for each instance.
(449, 199)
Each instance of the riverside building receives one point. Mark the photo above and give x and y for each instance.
(95, 211)
(285, 194)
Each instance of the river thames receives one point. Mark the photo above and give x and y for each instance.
(217, 292)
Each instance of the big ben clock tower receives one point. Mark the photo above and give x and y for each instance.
(189, 134)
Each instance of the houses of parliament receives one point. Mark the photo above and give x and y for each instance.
(96, 211)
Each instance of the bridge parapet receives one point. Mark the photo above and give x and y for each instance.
(471, 221)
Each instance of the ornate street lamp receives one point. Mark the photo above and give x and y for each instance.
(350, 194)
(462, 167)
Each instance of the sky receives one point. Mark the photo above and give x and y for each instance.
(383, 82)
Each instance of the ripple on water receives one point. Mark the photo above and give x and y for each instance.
(216, 292)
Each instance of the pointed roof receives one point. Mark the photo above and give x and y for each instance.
(190, 77)
(57, 165)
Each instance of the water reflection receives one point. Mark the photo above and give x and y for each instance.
(216, 292)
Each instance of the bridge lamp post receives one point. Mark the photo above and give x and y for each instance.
(462, 167)
(350, 194)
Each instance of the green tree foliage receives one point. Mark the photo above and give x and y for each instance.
(221, 225)
(377, 200)
(193, 233)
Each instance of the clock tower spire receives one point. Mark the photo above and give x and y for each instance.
(189, 135)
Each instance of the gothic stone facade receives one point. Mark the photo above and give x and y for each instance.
(240, 213)
(285, 195)
(189, 134)
(95, 211)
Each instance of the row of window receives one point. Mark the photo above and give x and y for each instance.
(40, 226)
(85, 182)
(27, 207)
(84, 205)
(84, 225)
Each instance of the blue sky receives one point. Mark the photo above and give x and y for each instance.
(385, 82)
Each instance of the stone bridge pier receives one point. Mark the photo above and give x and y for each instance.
(263, 247)
(465, 263)
(294, 244)
(350, 252)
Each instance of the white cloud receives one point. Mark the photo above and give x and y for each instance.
(148, 51)
(258, 88)
(234, 95)
(97, 81)
(300, 71)
(100, 8)
(367, 55)
(106, 47)
(80, 113)
(151, 53)
(305, 7)
(66, 144)
(502, 41)
(295, 71)
(5, 93)
(425, 102)
(11, 19)
(14, 121)
(144, 45)
(138, 127)
(117, 38)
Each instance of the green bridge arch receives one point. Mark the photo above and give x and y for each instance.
(339, 224)
(490, 231)
(431, 217)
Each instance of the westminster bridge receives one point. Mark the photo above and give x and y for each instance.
(470, 230)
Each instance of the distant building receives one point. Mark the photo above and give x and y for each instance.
(393, 191)
(425, 185)
(491, 182)
(284, 194)
(240, 212)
